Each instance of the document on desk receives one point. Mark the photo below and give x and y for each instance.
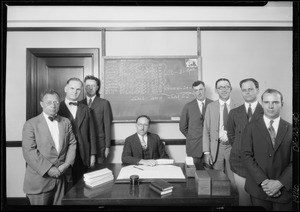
(170, 173)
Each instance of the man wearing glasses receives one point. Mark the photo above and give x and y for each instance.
(143, 147)
(216, 146)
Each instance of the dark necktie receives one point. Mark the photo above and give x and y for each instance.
(203, 109)
(144, 145)
(249, 114)
(90, 102)
(272, 132)
(51, 118)
(73, 103)
(225, 116)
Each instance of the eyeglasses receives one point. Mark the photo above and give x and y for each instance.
(52, 102)
(223, 88)
(143, 125)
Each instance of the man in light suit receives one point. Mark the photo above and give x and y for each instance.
(49, 148)
(191, 123)
(101, 114)
(267, 154)
(143, 147)
(216, 145)
(238, 118)
(83, 128)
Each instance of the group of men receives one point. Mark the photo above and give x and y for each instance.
(250, 142)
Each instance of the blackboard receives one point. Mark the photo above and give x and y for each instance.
(158, 87)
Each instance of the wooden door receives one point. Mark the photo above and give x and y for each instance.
(51, 68)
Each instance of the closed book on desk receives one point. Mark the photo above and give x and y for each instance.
(95, 179)
(161, 184)
(220, 184)
(160, 191)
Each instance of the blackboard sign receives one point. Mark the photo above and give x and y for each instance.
(157, 87)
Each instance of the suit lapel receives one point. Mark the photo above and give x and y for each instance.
(138, 142)
(264, 131)
(242, 114)
(79, 114)
(61, 129)
(196, 108)
(282, 129)
(257, 112)
(65, 111)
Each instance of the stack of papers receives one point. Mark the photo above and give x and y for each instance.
(164, 161)
(98, 177)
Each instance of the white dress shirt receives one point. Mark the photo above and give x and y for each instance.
(145, 139)
(53, 127)
(253, 106)
(275, 123)
(200, 105)
(72, 108)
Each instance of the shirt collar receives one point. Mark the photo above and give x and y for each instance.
(253, 105)
(267, 121)
(47, 117)
(68, 101)
(201, 101)
(88, 98)
(222, 102)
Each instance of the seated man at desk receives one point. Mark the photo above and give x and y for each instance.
(143, 147)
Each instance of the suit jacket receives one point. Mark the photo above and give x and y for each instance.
(191, 126)
(133, 152)
(262, 161)
(83, 128)
(102, 117)
(40, 153)
(237, 121)
(211, 127)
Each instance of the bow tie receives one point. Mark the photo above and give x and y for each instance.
(73, 103)
(51, 118)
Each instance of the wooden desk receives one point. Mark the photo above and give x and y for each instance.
(112, 194)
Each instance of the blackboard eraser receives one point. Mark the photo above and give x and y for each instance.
(175, 118)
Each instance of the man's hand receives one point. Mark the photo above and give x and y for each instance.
(208, 159)
(54, 172)
(63, 167)
(93, 160)
(106, 152)
(223, 137)
(147, 162)
(271, 187)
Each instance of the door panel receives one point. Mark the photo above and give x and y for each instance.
(52, 70)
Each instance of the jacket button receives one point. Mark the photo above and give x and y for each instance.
(270, 155)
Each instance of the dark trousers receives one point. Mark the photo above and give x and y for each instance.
(78, 169)
(198, 163)
(271, 206)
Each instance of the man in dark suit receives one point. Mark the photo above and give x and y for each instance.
(101, 114)
(267, 154)
(143, 147)
(49, 148)
(191, 123)
(83, 128)
(238, 118)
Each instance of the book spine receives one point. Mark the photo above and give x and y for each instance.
(158, 191)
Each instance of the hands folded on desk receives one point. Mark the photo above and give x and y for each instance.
(147, 162)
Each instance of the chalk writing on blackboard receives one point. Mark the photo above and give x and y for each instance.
(158, 87)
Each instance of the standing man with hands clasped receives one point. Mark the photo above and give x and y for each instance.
(49, 148)
(267, 154)
(191, 123)
(216, 146)
(101, 114)
(143, 147)
(83, 128)
(238, 118)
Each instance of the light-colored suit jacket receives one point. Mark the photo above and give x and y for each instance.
(40, 153)
(191, 126)
(211, 127)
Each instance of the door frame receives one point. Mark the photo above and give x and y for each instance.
(32, 54)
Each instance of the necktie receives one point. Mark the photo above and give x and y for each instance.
(249, 114)
(272, 132)
(144, 145)
(73, 103)
(203, 109)
(51, 118)
(225, 116)
(90, 102)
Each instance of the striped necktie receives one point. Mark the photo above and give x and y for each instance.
(272, 132)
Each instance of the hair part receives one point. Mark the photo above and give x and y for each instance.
(222, 79)
(249, 79)
(143, 116)
(49, 91)
(198, 82)
(270, 91)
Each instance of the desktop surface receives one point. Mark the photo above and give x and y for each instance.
(125, 194)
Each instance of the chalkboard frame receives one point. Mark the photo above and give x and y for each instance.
(102, 74)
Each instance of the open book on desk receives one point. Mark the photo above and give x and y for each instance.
(170, 173)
